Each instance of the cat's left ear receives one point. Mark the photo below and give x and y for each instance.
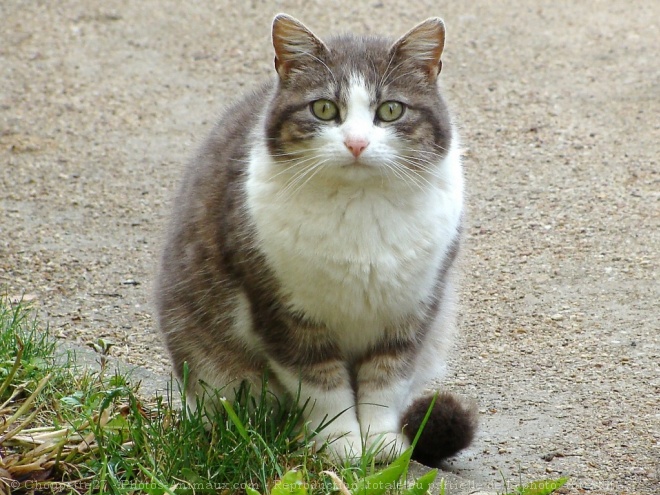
(295, 45)
(423, 46)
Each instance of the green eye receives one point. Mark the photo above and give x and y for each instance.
(324, 109)
(390, 111)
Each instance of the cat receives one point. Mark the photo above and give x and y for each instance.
(314, 237)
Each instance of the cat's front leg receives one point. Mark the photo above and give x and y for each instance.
(331, 404)
(383, 392)
(307, 362)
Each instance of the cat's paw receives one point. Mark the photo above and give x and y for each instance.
(386, 446)
(342, 448)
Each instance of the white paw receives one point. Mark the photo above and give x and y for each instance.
(387, 446)
(342, 448)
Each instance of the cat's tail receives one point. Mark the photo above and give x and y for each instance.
(450, 428)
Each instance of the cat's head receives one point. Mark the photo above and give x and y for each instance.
(358, 108)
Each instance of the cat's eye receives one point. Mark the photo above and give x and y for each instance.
(390, 111)
(324, 109)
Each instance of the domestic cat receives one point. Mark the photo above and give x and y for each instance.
(314, 236)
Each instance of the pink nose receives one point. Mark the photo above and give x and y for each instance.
(356, 145)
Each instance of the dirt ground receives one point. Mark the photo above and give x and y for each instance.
(558, 103)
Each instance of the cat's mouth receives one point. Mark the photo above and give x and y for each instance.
(358, 164)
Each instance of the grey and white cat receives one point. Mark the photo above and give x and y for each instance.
(314, 236)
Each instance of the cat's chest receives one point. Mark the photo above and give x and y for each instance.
(356, 260)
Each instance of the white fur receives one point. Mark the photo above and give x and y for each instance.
(243, 322)
(355, 246)
(379, 414)
(336, 407)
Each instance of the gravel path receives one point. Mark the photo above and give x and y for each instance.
(559, 104)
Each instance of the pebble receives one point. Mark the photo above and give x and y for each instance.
(560, 261)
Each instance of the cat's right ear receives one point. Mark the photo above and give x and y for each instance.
(294, 45)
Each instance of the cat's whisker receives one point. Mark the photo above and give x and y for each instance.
(297, 166)
(437, 146)
(414, 155)
(420, 182)
(244, 161)
(419, 170)
(294, 179)
(299, 180)
(303, 169)
(297, 152)
(402, 173)
(427, 161)
(419, 166)
(317, 169)
(293, 164)
(439, 156)
(292, 155)
(404, 74)
(389, 176)
(420, 161)
(389, 70)
(385, 73)
(321, 62)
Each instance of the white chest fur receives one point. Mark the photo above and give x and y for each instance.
(354, 258)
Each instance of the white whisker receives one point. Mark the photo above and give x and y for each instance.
(321, 62)
(402, 173)
(405, 74)
(428, 168)
(388, 70)
(302, 176)
(428, 152)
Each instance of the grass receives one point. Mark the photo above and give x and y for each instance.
(69, 430)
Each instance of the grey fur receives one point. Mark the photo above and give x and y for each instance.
(212, 257)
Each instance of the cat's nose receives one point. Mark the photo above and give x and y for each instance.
(356, 145)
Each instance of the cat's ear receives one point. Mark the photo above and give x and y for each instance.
(422, 46)
(294, 44)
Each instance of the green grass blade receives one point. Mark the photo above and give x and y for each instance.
(290, 484)
(422, 484)
(26, 405)
(17, 364)
(153, 479)
(420, 430)
(425, 420)
(385, 479)
(242, 431)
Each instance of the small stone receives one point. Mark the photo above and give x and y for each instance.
(549, 457)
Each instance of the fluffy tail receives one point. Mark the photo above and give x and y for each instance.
(449, 429)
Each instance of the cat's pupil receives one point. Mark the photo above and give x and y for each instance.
(390, 111)
(324, 109)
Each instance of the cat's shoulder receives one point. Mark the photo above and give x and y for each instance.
(239, 119)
